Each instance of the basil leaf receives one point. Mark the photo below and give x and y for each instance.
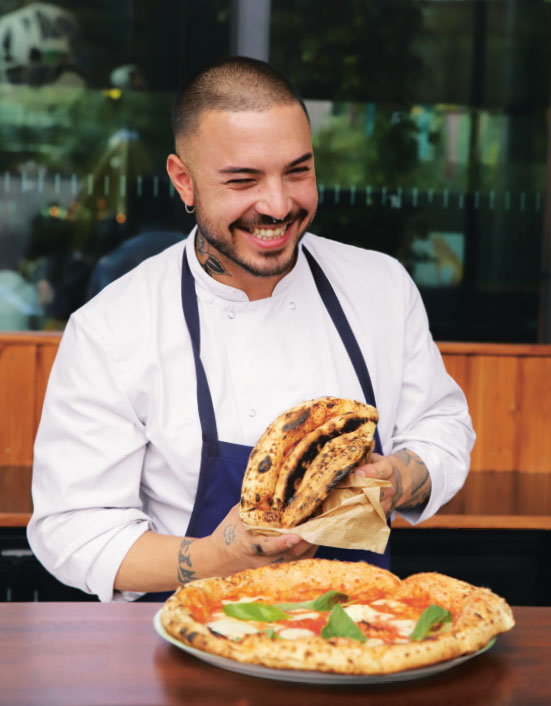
(340, 624)
(295, 606)
(254, 611)
(322, 603)
(329, 599)
(272, 634)
(430, 618)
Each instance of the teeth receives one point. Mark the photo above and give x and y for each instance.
(268, 233)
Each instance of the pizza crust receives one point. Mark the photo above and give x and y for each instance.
(479, 615)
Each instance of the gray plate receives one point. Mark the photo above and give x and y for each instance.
(309, 677)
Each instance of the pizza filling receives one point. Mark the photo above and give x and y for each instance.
(331, 615)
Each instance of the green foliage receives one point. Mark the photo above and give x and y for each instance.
(68, 129)
(349, 50)
(346, 155)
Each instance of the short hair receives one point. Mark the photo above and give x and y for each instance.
(235, 84)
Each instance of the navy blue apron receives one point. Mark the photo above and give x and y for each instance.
(223, 463)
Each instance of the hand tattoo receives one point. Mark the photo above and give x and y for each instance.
(229, 534)
(184, 559)
(209, 262)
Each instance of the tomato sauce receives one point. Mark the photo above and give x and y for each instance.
(313, 624)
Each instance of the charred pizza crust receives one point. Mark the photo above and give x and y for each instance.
(300, 458)
(479, 615)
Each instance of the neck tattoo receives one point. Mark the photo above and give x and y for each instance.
(208, 261)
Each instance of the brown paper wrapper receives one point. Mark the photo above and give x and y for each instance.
(351, 518)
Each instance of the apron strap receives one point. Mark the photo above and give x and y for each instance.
(333, 306)
(207, 416)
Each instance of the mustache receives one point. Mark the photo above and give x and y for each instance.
(262, 220)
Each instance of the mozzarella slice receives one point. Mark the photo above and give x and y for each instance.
(388, 603)
(367, 614)
(405, 627)
(232, 628)
(363, 613)
(304, 616)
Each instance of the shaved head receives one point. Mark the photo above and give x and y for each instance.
(236, 84)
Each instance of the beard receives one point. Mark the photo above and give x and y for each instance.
(265, 264)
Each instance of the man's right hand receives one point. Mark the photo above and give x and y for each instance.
(233, 548)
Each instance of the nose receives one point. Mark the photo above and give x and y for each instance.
(274, 200)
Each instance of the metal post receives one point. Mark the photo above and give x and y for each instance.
(251, 28)
(545, 290)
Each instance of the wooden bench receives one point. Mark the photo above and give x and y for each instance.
(508, 388)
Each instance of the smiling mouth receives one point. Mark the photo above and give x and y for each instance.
(269, 233)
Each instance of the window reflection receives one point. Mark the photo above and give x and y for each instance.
(429, 125)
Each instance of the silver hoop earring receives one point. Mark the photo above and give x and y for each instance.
(189, 209)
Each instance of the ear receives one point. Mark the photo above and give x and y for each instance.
(181, 177)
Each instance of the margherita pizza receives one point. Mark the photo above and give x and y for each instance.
(332, 616)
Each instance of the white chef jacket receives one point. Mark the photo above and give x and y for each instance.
(119, 443)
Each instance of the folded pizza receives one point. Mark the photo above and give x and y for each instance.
(302, 456)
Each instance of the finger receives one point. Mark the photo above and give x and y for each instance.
(269, 546)
(311, 552)
(303, 549)
(381, 469)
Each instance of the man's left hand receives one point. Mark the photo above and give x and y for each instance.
(408, 475)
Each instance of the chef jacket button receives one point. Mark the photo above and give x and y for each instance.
(292, 306)
(252, 413)
(231, 314)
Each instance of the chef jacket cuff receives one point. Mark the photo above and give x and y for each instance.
(101, 575)
(440, 492)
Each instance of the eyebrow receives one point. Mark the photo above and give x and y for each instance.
(250, 170)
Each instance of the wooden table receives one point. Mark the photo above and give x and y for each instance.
(94, 654)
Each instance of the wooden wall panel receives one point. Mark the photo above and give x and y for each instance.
(45, 357)
(458, 366)
(491, 394)
(489, 492)
(534, 419)
(17, 404)
(508, 388)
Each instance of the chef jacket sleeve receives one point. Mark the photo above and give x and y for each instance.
(432, 415)
(87, 466)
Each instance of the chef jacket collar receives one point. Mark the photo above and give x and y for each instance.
(224, 291)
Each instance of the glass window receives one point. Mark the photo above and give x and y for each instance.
(85, 96)
(430, 125)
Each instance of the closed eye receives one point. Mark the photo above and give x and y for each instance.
(240, 181)
(299, 170)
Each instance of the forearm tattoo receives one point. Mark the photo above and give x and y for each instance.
(208, 260)
(185, 566)
(420, 481)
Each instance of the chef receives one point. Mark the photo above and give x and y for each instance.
(167, 378)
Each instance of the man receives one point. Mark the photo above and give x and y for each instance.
(165, 380)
